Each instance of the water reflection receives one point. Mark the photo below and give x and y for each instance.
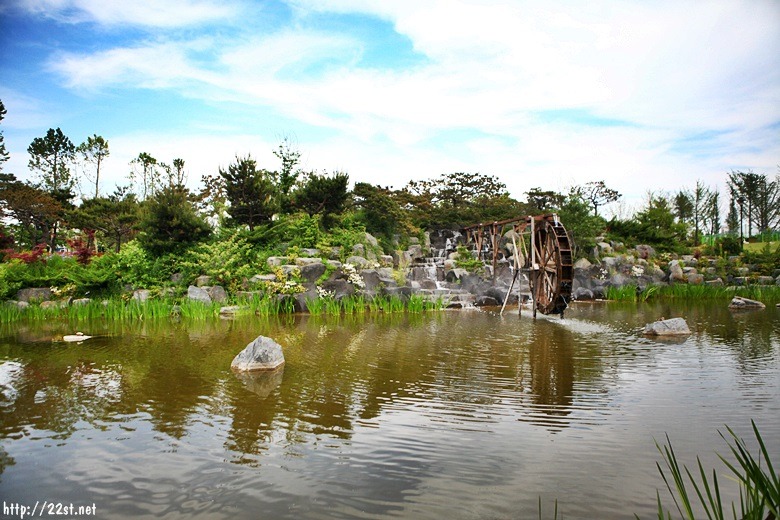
(385, 415)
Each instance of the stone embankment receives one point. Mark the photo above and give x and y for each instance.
(430, 269)
(641, 267)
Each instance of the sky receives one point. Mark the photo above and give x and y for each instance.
(647, 96)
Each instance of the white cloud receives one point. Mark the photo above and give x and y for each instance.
(670, 70)
(149, 13)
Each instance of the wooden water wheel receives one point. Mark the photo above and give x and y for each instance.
(550, 265)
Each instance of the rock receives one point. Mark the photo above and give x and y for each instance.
(334, 264)
(486, 301)
(339, 288)
(456, 274)
(310, 252)
(79, 336)
(48, 304)
(17, 304)
(695, 279)
(581, 293)
(80, 302)
(604, 248)
(301, 261)
(198, 294)
(645, 252)
(671, 327)
(289, 269)
(359, 250)
(676, 272)
(261, 354)
(232, 310)
(177, 278)
(35, 294)
(277, 261)
(141, 295)
(777, 280)
(738, 303)
(717, 282)
(358, 261)
(415, 251)
(386, 260)
(371, 240)
(217, 294)
(312, 272)
(202, 281)
(765, 280)
(582, 263)
(262, 278)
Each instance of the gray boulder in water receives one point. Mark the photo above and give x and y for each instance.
(738, 303)
(671, 327)
(261, 354)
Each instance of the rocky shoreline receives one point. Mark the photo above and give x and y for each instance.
(430, 270)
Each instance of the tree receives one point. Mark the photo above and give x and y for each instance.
(170, 222)
(683, 206)
(36, 211)
(249, 193)
(325, 195)
(541, 201)
(145, 170)
(178, 177)
(94, 150)
(582, 226)
(287, 177)
(116, 217)
(452, 199)
(51, 156)
(3, 152)
(597, 194)
(380, 211)
(758, 199)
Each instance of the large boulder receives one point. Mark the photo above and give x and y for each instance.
(670, 327)
(34, 294)
(217, 293)
(312, 272)
(141, 295)
(198, 294)
(261, 354)
(203, 281)
(738, 304)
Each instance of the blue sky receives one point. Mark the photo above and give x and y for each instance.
(645, 95)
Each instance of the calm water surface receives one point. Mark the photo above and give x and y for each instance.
(447, 415)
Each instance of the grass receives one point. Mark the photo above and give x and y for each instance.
(629, 293)
(757, 247)
(759, 486)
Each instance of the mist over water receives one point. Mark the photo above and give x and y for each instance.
(450, 414)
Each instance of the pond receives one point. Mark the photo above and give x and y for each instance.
(453, 414)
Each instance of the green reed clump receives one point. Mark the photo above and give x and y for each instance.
(759, 486)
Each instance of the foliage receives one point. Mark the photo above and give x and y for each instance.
(467, 261)
(249, 192)
(380, 212)
(228, 261)
(3, 152)
(323, 195)
(582, 226)
(51, 157)
(146, 172)
(288, 175)
(304, 230)
(758, 199)
(452, 200)
(655, 225)
(115, 218)
(94, 150)
(765, 259)
(543, 201)
(170, 223)
(138, 268)
(36, 211)
(597, 194)
(759, 486)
